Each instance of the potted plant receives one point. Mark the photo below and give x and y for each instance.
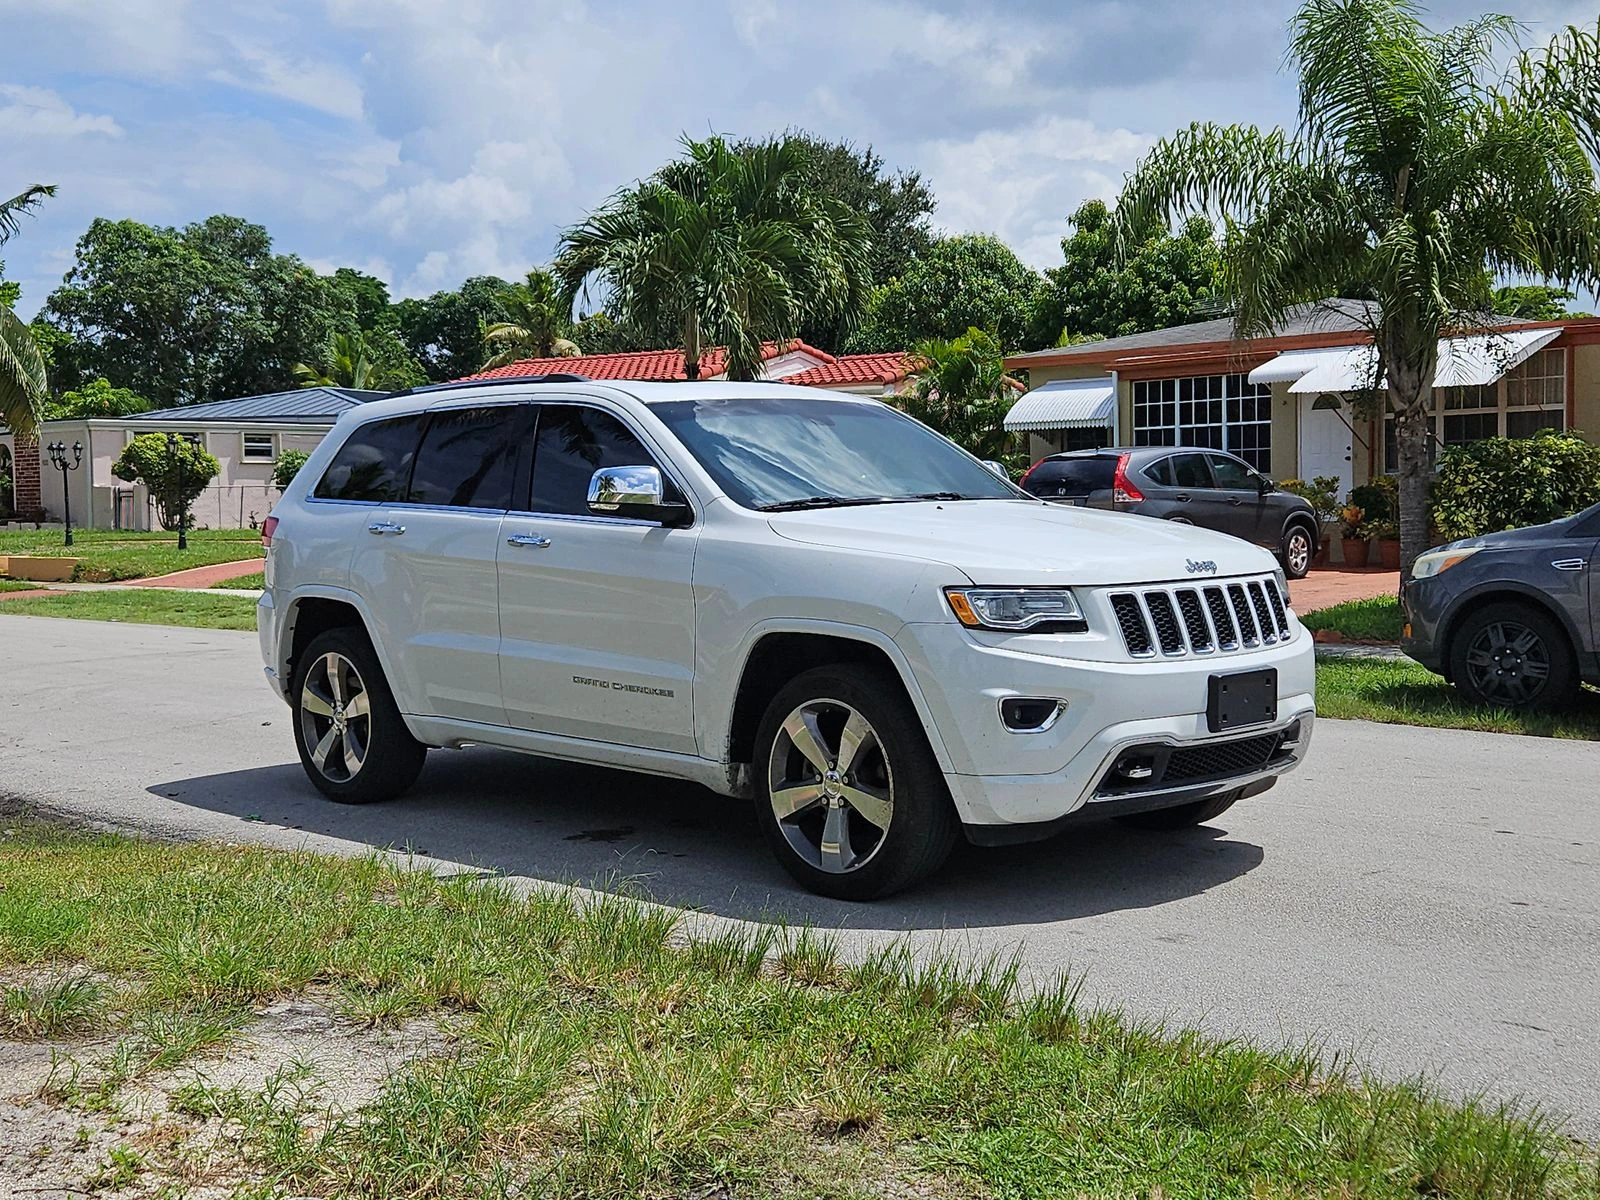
(1386, 533)
(1322, 493)
(1352, 542)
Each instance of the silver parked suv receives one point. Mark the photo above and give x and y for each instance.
(785, 594)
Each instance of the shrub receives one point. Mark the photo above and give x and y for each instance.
(1322, 493)
(1378, 499)
(175, 475)
(287, 467)
(1506, 483)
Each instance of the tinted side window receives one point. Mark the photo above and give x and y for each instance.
(1231, 473)
(1189, 471)
(1072, 476)
(468, 457)
(374, 464)
(1160, 472)
(572, 443)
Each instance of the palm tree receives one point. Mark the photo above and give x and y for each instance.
(347, 364)
(536, 327)
(725, 246)
(1418, 167)
(959, 387)
(22, 377)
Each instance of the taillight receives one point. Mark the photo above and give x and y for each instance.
(268, 528)
(1023, 482)
(1123, 491)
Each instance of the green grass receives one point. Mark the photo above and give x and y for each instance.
(594, 1051)
(106, 556)
(1403, 693)
(1375, 620)
(251, 583)
(20, 585)
(140, 606)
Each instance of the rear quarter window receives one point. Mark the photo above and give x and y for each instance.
(1071, 476)
(374, 464)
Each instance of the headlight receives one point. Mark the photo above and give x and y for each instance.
(1433, 562)
(1017, 610)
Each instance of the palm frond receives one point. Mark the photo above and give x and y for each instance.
(23, 386)
(24, 202)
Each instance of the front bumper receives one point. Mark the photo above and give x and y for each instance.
(1422, 607)
(998, 777)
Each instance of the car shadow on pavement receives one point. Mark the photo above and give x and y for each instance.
(680, 844)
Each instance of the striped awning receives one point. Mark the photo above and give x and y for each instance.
(1473, 360)
(1065, 404)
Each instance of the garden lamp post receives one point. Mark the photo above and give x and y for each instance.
(58, 460)
(176, 474)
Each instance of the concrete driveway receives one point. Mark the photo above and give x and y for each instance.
(1427, 899)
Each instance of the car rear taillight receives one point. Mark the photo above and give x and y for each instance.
(1123, 491)
(1023, 482)
(268, 528)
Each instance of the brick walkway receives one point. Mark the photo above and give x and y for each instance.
(1334, 585)
(202, 577)
(43, 589)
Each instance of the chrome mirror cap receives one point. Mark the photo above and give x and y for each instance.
(618, 489)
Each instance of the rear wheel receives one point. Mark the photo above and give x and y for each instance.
(353, 743)
(1512, 655)
(1296, 551)
(1183, 816)
(848, 792)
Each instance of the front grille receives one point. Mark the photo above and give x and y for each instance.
(1201, 620)
(1159, 767)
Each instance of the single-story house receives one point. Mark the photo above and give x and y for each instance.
(793, 362)
(1283, 402)
(246, 435)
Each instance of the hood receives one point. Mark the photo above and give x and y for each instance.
(1027, 542)
(1528, 535)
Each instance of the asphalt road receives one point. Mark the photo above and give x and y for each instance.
(1426, 899)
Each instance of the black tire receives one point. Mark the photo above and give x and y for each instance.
(1499, 653)
(1295, 551)
(1181, 817)
(390, 758)
(921, 826)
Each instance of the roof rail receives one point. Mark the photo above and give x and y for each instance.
(553, 377)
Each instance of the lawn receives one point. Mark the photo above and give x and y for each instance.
(142, 606)
(1375, 620)
(106, 556)
(19, 585)
(250, 583)
(472, 1042)
(1403, 693)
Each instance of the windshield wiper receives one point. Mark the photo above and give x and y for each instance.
(825, 502)
(947, 496)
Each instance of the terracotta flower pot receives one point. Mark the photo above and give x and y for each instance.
(1355, 551)
(1389, 554)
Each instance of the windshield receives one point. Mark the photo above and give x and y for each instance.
(803, 453)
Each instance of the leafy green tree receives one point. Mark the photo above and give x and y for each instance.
(968, 282)
(1419, 163)
(1536, 302)
(175, 475)
(538, 324)
(23, 382)
(187, 315)
(725, 246)
(375, 361)
(1101, 290)
(367, 296)
(960, 388)
(97, 398)
(444, 331)
(287, 466)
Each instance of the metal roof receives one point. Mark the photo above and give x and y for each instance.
(1474, 359)
(1065, 404)
(303, 406)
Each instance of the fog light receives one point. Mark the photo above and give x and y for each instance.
(1135, 767)
(1030, 714)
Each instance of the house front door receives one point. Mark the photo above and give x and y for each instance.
(1326, 445)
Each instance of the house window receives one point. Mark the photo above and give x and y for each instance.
(1526, 400)
(1219, 412)
(1469, 414)
(259, 447)
(1536, 394)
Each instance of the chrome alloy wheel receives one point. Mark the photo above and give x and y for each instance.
(336, 717)
(1509, 663)
(831, 786)
(1298, 552)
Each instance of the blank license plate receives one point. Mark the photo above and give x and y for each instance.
(1248, 698)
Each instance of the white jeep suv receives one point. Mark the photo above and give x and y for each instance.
(785, 594)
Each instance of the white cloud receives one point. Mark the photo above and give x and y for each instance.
(755, 20)
(39, 112)
(319, 85)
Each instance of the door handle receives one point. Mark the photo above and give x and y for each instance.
(1235, 500)
(528, 539)
(385, 527)
(1182, 497)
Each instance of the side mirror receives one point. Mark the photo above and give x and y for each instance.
(1265, 485)
(636, 492)
(999, 468)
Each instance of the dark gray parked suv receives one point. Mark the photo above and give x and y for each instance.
(1178, 483)
(1511, 618)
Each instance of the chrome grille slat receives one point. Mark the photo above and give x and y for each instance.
(1176, 621)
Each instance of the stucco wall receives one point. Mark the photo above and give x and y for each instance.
(1585, 380)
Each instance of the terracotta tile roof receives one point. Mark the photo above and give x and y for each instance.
(855, 368)
(642, 364)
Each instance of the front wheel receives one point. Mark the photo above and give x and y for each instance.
(848, 792)
(1182, 816)
(1296, 552)
(353, 743)
(1511, 655)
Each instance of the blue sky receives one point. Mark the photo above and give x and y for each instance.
(425, 140)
